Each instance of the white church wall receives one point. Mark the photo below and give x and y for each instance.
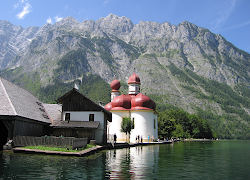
(156, 127)
(144, 126)
(114, 127)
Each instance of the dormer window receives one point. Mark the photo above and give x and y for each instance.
(91, 117)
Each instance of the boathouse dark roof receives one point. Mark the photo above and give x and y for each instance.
(16, 101)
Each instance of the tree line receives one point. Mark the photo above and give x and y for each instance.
(179, 123)
(176, 123)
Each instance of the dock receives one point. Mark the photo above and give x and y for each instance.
(80, 153)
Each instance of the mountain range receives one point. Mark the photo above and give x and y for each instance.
(182, 65)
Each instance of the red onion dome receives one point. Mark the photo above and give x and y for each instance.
(122, 102)
(142, 102)
(134, 79)
(108, 106)
(115, 85)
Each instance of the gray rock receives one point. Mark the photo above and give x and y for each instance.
(114, 47)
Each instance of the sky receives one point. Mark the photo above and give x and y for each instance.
(230, 18)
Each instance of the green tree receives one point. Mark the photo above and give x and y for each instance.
(165, 125)
(179, 132)
(176, 122)
(126, 126)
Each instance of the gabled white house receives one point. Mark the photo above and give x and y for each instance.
(78, 116)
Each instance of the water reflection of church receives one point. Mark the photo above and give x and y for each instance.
(139, 107)
(132, 163)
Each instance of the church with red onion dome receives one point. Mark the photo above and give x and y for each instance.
(139, 107)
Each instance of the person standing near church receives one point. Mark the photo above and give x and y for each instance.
(115, 138)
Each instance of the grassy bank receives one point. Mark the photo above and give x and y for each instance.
(49, 148)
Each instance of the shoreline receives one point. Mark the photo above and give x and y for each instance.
(98, 148)
(88, 151)
(198, 140)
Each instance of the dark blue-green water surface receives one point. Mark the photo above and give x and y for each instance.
(229, 160)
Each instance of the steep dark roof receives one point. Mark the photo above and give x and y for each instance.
(69, 93)
(76, 124)
(15, 101)
(75, 101)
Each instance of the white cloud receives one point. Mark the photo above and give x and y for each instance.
(20, 3)
(57, 19)
(105, 2)
(26, 10)
(16, 5)
(237, 26)
(225, 13)
(49, 20)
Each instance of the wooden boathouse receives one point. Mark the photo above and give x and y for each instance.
(22, 114)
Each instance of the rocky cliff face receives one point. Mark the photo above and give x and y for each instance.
(185, 45)
(184, 65)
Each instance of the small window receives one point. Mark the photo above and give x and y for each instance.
(91, 117)
(154, 123)
(67, 116)
(133, 122)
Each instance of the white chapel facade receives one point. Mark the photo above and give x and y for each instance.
(139, 107)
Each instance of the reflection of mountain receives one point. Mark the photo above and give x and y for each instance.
(133, 163)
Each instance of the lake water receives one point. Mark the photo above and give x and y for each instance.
(229, 160)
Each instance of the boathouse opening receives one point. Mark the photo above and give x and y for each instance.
(3, 135)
